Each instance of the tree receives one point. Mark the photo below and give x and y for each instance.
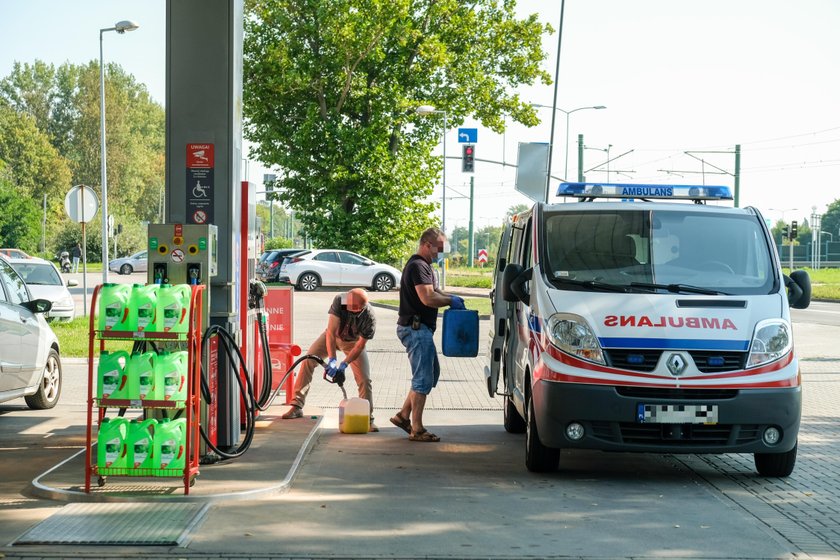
(331, 89)
(831, 220)
(516, 209)
(20, 220)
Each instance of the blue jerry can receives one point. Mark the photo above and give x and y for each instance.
(460, 333)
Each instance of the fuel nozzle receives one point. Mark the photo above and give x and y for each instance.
(334, 373)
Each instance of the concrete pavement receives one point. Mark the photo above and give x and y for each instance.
(469, 496)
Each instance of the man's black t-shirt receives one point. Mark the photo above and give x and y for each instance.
(416, 272)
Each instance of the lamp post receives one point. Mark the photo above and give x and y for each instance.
(424, 110)
(567, 113)
(120, 27)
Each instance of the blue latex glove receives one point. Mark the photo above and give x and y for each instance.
(342, 367)
(457, 303)
(331, 363)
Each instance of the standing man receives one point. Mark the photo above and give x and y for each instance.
(351, 324)
(420, 299)
(77, 254)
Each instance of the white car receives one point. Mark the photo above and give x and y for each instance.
(126, 265)
(45, 282)
(30, 365)
(332, 267)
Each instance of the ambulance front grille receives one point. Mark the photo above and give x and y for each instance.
(688, 435)
(645, 360)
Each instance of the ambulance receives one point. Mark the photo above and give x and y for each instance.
(646, 318)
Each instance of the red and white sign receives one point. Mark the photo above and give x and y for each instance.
(200, 216)
(482, 256)
(177, 256)
(200, 156)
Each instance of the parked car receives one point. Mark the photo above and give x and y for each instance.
(268, 268)
(45, 282)
(14, 254)
(126, 265)
(30, 363)
(331, 267)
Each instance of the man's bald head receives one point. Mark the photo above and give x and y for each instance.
(357, 298)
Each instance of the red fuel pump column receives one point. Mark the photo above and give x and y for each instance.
(279, 304)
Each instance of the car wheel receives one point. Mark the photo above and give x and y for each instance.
(538, 457)
(776, 464)
(383, 282)
(126, 269)
(308, 282)
(50, 388)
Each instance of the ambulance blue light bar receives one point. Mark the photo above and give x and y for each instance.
(641, 190)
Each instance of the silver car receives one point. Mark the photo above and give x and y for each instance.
(45, 282)
(30, 366)
(127, 265)
(333, 267)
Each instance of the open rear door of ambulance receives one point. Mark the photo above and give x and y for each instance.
(499, 319)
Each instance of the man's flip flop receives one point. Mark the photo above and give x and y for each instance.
(401, 423)
(425, 435)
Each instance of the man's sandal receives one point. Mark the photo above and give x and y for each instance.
(401, 423)
(425, 435)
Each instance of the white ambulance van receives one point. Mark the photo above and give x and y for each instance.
(652, 322)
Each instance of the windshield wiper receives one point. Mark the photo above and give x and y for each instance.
(679, 288)
(593, 284)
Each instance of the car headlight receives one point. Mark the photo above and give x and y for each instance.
(772, 340)
(66, 302)
(572, 335)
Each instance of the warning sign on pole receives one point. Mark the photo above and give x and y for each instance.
(201, 162)
(482, 256)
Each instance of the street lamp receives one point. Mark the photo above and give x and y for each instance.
(425, 110)
(567, 113)
(120, 27)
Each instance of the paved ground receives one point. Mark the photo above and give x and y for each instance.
(381, 496)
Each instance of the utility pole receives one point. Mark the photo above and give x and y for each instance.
(470, 244)
(580, 158)
(737, 174)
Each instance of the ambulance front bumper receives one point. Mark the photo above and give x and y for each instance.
(619, 418)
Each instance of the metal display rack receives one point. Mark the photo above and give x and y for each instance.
(191, 404)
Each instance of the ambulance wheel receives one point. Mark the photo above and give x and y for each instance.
(717, 265)
(308, 282)
(101, 481)
(514, 423)
(538, 457)
(776, 464)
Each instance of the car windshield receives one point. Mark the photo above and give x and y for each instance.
(681, 251)
(38, 274)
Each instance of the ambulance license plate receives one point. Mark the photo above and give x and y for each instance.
(677, 413)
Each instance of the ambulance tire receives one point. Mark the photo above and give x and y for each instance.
(776, 464)
(514, 423)
(538, 457)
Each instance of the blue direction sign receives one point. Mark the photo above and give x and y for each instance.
(468, 135)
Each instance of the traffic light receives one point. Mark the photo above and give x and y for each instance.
(794, 230)
(785, 234)
(468, 159)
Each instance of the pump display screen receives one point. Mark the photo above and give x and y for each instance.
(721, 252)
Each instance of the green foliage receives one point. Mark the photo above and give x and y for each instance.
(831, 220)
(278, 243)
(20, 219)
(331, 89)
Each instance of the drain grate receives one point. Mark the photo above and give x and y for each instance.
(138, 523)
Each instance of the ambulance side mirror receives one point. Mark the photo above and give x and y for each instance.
(798, 285)
(513, 283)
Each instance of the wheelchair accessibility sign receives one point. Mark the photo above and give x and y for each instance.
(201, 164)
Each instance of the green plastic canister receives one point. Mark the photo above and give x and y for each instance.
(172, 370)
(174, 307)
(139, 444)
(110, 447)
(114, 307)
(170, 449)
(143, 382)
(144, 308)
(112, 381)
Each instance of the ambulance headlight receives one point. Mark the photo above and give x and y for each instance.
(772, 340)
(571, 334)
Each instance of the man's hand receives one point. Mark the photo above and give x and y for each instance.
(457, 303)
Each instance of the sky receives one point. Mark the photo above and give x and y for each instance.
(675, 76)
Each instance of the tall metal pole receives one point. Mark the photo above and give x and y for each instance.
(443, 204)
(471, 245)
(580, 158)
(554, 104)
(103, 163)
(737, 174)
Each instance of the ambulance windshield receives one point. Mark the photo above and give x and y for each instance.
(723, 252)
